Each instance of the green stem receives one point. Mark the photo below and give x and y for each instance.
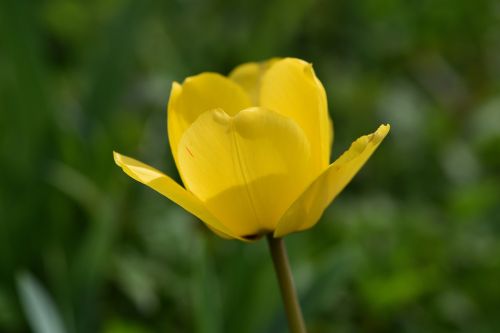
(287, 287)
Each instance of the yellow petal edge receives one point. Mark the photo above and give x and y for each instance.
(166, 186)
(308, 208)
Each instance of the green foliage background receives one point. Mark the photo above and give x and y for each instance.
(412, 245)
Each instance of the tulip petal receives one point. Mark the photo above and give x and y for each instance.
(290, 87)
(196, 95)
(249, 77)
(166, 186)
(247, 169)
(308, 208)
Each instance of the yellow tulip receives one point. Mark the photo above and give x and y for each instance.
(253, 150)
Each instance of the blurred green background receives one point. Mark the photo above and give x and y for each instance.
(412, 245)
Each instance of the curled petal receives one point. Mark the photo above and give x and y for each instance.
(308, 208)
(166, 186)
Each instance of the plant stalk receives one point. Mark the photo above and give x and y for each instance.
(285, 279)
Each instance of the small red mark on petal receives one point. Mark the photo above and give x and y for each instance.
(189, 151)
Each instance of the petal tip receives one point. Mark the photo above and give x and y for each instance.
(117, 158)
(175, 92)
(382, 130)
(175, 88)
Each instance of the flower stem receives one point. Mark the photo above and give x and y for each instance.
(287, 287)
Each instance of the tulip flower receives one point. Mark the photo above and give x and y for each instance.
(253, 151)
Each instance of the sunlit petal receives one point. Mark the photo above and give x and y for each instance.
(247, 169)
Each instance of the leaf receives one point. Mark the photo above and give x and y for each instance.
(38, 306)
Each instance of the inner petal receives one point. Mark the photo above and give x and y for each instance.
(199, 94)
(247, 169)
(291, 88)
(249, 77)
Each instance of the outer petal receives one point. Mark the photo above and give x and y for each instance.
(166, 186)
(198, 94)
(249, 77)
(309, 207)
(290, 87)
(248, 169)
